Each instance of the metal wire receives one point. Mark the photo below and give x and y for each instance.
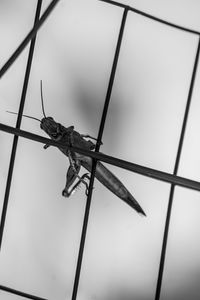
(142, 170)
(156, 174)
(18, 124)
(100, 133)
(142, 13)
(27, 39)
(19, 293)
(178, 156)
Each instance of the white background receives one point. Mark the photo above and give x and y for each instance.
(73, 56)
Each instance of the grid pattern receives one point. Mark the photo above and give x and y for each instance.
(173, 179)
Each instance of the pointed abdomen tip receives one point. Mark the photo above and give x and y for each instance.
(142, 214)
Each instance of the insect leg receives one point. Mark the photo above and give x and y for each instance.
(81, 180)
(72, 174)
(87, 186)
(74, 162)
(89, 136)
(70, 178)
(46, 146)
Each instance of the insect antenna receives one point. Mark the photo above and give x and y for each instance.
(14, 113)
(30, 117)
(42, 100)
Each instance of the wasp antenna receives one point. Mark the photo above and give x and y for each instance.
(14, 113)
(42, 100)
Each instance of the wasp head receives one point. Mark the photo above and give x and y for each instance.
(51, 127)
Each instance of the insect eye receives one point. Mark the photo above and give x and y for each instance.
(54, 134)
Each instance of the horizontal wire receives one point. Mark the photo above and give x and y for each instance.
(137, 11)
(19, 293)
(27, 39)
(149, 172)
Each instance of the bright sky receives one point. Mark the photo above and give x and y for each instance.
(73, 56)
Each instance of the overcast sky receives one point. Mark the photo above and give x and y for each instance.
(73, 56)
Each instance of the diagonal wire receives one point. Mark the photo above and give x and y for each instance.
(19, 293)
(27, 39)
(130, 166)
(101, 128)
(142, 13)
(178, 156)
(33, 32)
(18, 123)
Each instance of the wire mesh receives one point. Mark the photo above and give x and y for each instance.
(173, 179)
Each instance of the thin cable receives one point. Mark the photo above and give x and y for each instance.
(130, 166)
(101, 128)
(18, 124)
(19, 293)
(142, 13)
(178, 156)
(111, 80)
(27, 39)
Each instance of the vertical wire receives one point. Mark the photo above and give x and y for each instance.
(94, 161)
(18, 124)
(177, 161)
(111, 81)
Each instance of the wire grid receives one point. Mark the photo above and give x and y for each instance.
(173, 179)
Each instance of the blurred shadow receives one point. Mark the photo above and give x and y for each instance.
(90, 105)
(189, 289)
(122, 294)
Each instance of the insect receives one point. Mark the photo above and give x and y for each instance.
(70, 137)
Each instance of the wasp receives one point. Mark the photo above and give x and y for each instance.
(69, 137)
